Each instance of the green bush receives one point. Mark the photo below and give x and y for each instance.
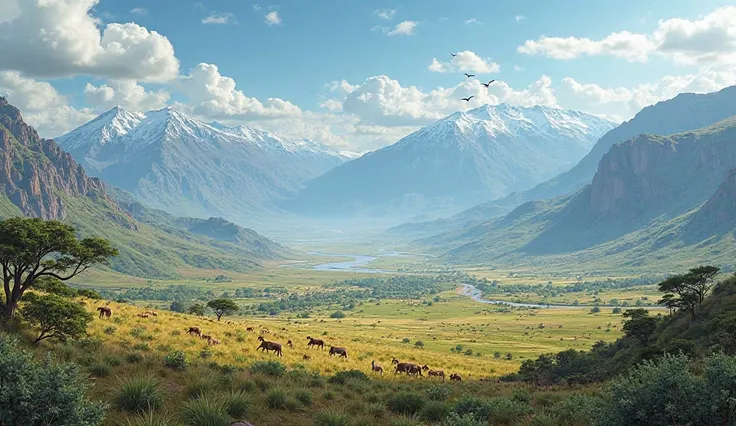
(276, 398)
(405, 421)
(100, 369)
(205, 411)
(337, 314)
(503, 410)
(269, 368)
(439, 392)
(134, 357)
(176, 360)
(330, 417)
(522, 395)
(110, 330)
(139, 394)
(304, 396)
(112, 360)
(467, 404)
(26, 382)
(199, 384)
(435, 411)
(469, 419)
(341, 377)
(141, 347)
(237, 404)
(407, 403)
(149, 419)
(574, 410)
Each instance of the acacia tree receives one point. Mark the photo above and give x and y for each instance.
(34, 248)
(687, 291)
(222, 307)
(55, 316)
(639, 325)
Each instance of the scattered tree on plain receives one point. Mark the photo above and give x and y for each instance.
(55, 316)
(222, 307)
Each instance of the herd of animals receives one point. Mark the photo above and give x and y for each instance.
(410, 369)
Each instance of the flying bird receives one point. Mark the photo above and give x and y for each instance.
(453, 54)
(469, 75)
(488, 84)
(467, 99)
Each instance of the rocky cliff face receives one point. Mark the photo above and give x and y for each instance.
(37, 175)
(717, 215)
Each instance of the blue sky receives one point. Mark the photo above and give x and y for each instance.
(355, 74)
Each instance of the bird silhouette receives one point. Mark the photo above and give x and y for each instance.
(467, 99)
(453, 54)
(469, 75)
(488, 84)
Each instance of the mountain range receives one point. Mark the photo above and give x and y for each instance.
(653, 200)
(467, 157)
(171, 161)
(39, 179)
(685, 112)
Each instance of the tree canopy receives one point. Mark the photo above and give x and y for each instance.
(55, 316)
(639, 325)
(222, 307)
(687, 291)
(35, 248)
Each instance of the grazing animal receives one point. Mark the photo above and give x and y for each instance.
(315, 342)
(377, 368)
(488, 84)
(213, 341)
(434, 373)
(306, 357)
(194, 331)
(267, 346)
(152, 313)
(104, 311)
(206, 337)
(290, 344)
(467, 99)
(407, 367)
(454, 377)
(250, 329)
(143, 315)
(336, 350)
(469, 75)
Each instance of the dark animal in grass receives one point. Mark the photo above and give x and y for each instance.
(289, 344)
(315, 342)
(376, 368)
(454, 377)
(152, 313)
(142, 315)
(206, 337)
(306, 357)
(250, 329)
(407, 367)
(195, 331)
(213, 341)
(104, 311)
(267, 346)
(336, 350)
(434, 373)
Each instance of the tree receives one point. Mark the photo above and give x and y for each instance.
(55, 316)
(196, 309)
(595, 309)
(222, 307)
(639, 325)
(41, 392)
(35, 248)
(177, 306)
(337, 314)
(687, 291)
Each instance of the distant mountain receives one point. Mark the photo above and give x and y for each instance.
(173, 162)
(39, 179)
(484, 153)
(682, 113)
(651, 195)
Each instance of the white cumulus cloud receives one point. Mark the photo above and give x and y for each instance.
(219, 18)
(405, 28)
(273, 18)
(387, 14)
(710, 39)
(465, 61)
(59, 38)
(125, 93)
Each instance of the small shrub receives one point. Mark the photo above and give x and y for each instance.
(276, 398)
(176, 360)
(138, 331)
(455, 419)
(304, 396)
(438, 392)
(343, 376)
(149, 419)
(406, 421)
(330, 417)
(616, 311)
(205, 353)
(134, 357)
(112, 360)
(328, 395)
(237, 404)
(509, 357)
(198, 385)
(100, 369)
(110, 330)
(544, 419)
(269, 368)
(337, 314)
(435, 411)
(139, 394)
(477, 407)
(522, 395)
(408, 403)
(507, 410)
(205, 411)
(292, 404)
(419, 344)
(175, 333)
(141, 347)
(405, 340)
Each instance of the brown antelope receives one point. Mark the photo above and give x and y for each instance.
(250, 329)
(142, 315)
(194, 331)
(105, 311)
(434, 373)
(337, 350)
(376, 368)
(213, 341)
(454, 377)
(407, 367)
(315, 342)
(289, 344)
(152, 313)
(266, 346)
(206, 337)
(306, 357)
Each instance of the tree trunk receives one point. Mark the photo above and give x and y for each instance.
(8, 310)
